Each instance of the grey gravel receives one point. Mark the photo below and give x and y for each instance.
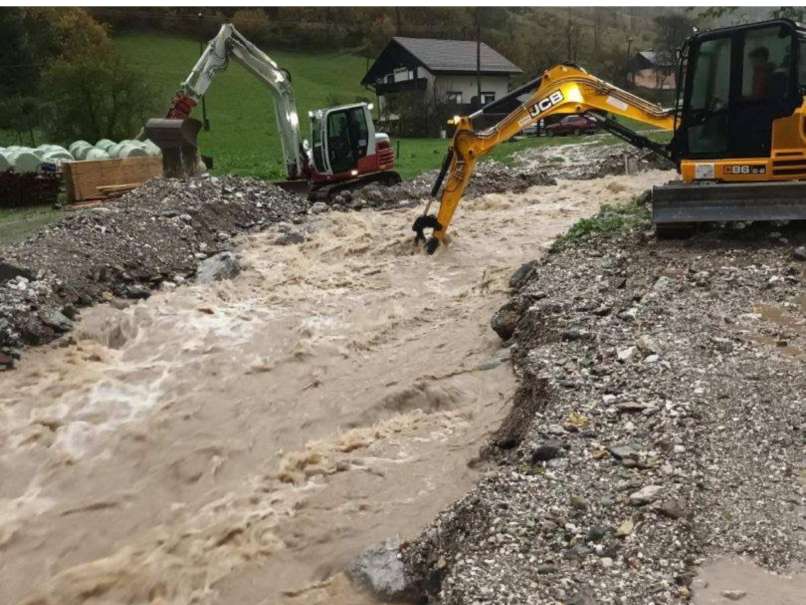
(691, 446)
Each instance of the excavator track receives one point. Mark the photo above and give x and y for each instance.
(679, 203)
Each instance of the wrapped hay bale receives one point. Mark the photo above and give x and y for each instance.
(76, 147)
(24, 161)
(94, 153)
(104, 144)
(5, 165)
(131, 150)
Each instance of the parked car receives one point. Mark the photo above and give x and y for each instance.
(571, 125)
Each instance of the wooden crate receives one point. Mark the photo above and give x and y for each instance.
(83, 179)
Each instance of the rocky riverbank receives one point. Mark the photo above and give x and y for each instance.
(660, 421)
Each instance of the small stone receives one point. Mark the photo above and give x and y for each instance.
(627, 354)
(504, 320)
(671, 508)
(734, 595)
(645, 495)
(380, 570)
(319, 208)
(606, 562)
(547, 451)
(625, 529)
(631, 407)
(58, 321)
(578, 503)
(647, 344)
(224, 265)
(597, 533)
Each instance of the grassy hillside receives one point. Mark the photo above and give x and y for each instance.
(243, 136)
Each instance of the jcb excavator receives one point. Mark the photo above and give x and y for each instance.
(347, 152)
(739, 129)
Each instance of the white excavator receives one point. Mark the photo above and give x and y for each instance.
(345, 150)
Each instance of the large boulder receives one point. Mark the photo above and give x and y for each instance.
(380, 570)
(223, 265)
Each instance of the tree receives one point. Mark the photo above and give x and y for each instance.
(673, 30)
(18, 71)
(94, 97)
(252, 23)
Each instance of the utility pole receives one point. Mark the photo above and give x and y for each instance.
(478, 56)
(205, 121)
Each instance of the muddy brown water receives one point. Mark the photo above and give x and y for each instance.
(241, 442)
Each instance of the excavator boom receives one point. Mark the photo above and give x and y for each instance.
(229, 42)
(564, 89)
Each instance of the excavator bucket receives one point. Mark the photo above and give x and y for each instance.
(679, 202)
(177, 141)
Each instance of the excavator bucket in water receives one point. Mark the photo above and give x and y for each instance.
(678, 203)
(177, 141)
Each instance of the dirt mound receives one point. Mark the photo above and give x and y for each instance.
(157, 233)
(490, 177)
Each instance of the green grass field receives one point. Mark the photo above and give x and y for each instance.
(243, 138)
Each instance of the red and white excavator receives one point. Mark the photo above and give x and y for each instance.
(345, 151)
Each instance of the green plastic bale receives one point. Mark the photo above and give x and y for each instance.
(75, 145)
(104, 144)
(129, 150)
(4, 163)
(96, 154)
(24, 161)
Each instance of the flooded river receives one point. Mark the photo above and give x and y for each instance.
(241, 442)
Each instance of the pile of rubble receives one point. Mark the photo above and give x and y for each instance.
(158, 232)
(660, 420)
(489, 177)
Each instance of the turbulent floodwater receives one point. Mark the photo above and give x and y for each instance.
(241, 442)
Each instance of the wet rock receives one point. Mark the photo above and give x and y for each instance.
(799, 253)
(319, 208)
(547, 451)
(290, 238)
(504, 320)
(380, 570)
(224, 265)
(10, 271)
(136, 292)
(6, 361)
(523, 274)
(58, 321)
(734, 595)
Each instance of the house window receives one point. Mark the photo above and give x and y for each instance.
(487, 97)
(454, 97)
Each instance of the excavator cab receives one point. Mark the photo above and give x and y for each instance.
(736, 82)
(344, 144)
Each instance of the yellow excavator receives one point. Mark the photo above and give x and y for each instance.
(739, 129)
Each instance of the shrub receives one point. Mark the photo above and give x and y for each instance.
(95, 97)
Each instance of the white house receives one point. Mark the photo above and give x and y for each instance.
(441, 70)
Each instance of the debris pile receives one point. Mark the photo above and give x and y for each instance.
(661, 419)
(489, 177)
(590, 160)
(156, 233)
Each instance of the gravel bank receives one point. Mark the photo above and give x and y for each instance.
(661, 419)
(157, 233)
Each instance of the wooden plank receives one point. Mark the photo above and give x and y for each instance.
(114, 188)
(83, 178)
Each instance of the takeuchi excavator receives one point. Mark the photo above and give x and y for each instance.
(346, 150)
(739, 129)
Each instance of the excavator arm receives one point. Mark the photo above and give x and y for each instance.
(563, 89)
(229, 42)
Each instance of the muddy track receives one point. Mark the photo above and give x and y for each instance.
(241, 441)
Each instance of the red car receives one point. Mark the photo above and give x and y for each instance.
(575, 125)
